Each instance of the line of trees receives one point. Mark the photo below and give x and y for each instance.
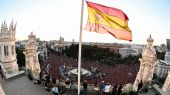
(94, 53)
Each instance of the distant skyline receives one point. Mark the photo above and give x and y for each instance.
(50, 19)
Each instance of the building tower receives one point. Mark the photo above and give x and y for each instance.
(8, 59)
(31, 56)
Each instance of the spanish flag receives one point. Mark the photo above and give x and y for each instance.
(103, 19)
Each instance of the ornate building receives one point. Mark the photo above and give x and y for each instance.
(166, 86)
(147, 65)
(163, 66)
(60, 45)
(31, 56)
(8, 59)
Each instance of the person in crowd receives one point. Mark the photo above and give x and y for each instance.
(107, 89)
(101, 87)
(85, 87)
(114, 90)
(59, 79)
(63, 67)
(48, 80)
(67, 85)
(96, 88)
(47, 68)
(43, 80)
(140, 85)
(119, 90)
(55, 90)
(53, 80)
(91, 68)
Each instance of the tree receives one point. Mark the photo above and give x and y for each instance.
(160, 55)
(20, 57)
(94, 53)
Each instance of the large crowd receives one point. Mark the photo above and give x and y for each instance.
(111, 74)
(119, 73)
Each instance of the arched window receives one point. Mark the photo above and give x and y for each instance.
(7, 53)
(5, 50)
(12, 49)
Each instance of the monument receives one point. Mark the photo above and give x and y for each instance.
(8, 61)
(31, 56)
(147, 64)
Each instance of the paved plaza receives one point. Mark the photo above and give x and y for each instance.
(21, 85)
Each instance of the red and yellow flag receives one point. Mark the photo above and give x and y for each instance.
(103, 19)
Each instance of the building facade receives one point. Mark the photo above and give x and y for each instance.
(42, 48)
(163, 66)
(125, 52)
(60, 45)
(133, 50)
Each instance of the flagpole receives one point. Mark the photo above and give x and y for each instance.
(80, 45)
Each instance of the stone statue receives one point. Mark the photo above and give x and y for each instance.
(166, 86)
(31, 55)
(147, 64)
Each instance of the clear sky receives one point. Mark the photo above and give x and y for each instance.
(50, 19)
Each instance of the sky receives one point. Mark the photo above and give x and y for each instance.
(50, 19)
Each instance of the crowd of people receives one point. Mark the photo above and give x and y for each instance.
(105, 89)
(117, 74)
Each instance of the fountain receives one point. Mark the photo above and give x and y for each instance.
(83, 71)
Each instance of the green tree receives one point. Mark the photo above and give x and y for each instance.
(94, 53)
(160, 55)
(20, 57)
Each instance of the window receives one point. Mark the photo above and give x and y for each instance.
(7, 53)
(6, 50)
